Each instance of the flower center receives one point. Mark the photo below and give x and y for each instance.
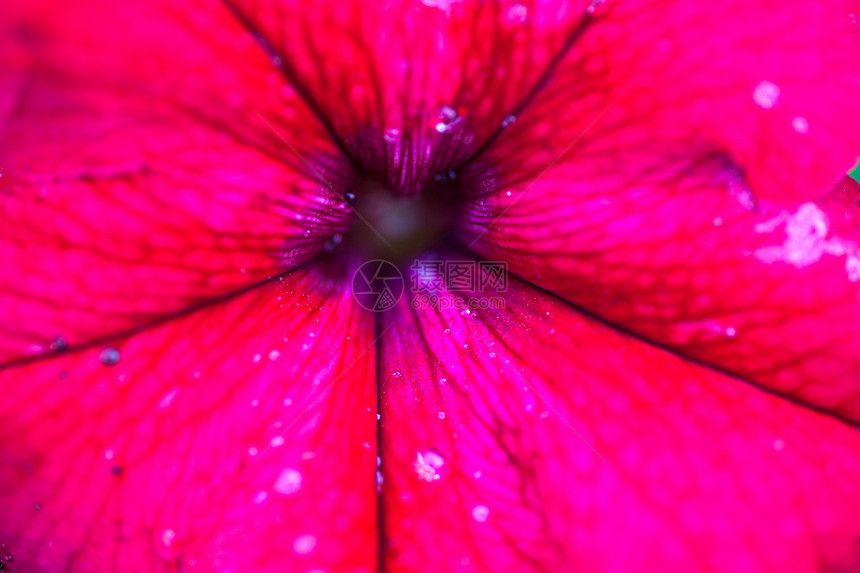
(396, 228)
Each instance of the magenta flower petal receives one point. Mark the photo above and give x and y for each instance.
(139, 177)
(188, 383)
(230, 439)
(768, 294)
(414, 87)
(769, 87)
(536, 438)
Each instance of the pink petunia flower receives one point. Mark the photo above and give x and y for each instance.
(666, 377)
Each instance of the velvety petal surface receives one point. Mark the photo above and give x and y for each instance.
(237, 438)
(770, 86)
(685, 193)
(771, 295)
(143, 167)
(535, 438)
(414, 87)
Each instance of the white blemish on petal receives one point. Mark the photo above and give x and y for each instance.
(426, 465)
(807, 241)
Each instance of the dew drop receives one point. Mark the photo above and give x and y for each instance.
(391, 135)
(595, 6)
(731, 332)
(444, 5)
(333, 243)
(441, 415)
(445, 177)
(289, 482)
(800, 125)
(274, 355)
(116, 470)
(508, 121)
(766, 94)
(8, 558)
(349, 197)
(277, 441)
(167, 400)
(109, 356)
(260, 497)
(168, 536)
(396, 374)
(518, 13)
(447, 118)
(59, 344)
(304, 544)
(480, 513)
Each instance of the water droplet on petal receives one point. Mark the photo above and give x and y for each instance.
(349, 197)
(277, 441)
(595, 6)
(167, 537)
(289, 482)
(304, 544)
(444, 5)
(518, 13)
(109, 356)
(480, 513)
(766, 94)
(333, 243)
(508, 121)
(447, 118)
(59, 344)
(800, 125)
(391, 135)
